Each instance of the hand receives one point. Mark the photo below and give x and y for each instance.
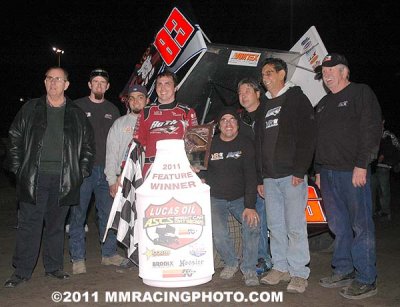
(113, 189)
(296, 181)
(260, 190)
(318, 180)
(359, 177)
(251, 217)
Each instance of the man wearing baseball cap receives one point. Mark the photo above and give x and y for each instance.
(231, 175)
(121, 133)
(349, 131)
(101, 114)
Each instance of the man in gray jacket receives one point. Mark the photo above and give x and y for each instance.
(120, 135)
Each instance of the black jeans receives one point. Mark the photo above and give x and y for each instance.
(31, 219)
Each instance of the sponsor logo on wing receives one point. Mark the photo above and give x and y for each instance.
(343, 104)
(273, 112)
(234, 154)
(271, 123)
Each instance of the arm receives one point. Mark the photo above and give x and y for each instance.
(88, 148)
(112, 167)
(305, 130)
(15, 143)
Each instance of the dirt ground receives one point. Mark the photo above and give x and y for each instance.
(92, 289)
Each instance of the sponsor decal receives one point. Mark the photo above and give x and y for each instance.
(273, 112)
(244, 58)
(88, 114)
(162, 264)
(128, 130)
(173, 273)
(186, 263)
(217, 156)
(197, 251)
(343, 104)
(108, 116)
(271, 123)
(156, 253)
(162, 223)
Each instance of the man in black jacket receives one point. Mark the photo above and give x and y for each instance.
(349, 131)
(285, 140)
(50, 150)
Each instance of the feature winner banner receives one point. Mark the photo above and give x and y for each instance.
(312, 51)
(176, 43)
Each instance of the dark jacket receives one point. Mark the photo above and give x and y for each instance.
(295, 144)
(25, 144)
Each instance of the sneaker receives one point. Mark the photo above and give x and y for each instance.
(251, 279)
(129, 266)
(262, 267)
(228, 272)
(297, 285)
(78, 267)
(114, 260)
(337, 280)
(274, 277)
(357, 290)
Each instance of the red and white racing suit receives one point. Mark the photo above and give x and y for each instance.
(162, 122)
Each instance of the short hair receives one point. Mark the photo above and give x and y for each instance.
(278, 64)
(60, 68)
(250, 82)
(167, 73)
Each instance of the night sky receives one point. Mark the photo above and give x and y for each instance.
(113, 34)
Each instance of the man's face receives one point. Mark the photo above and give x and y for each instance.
(229, 127)
(55, 82)
(137, 101)
(98, 86)
(248, 97)
(333, 78)
(165, 89)
(273, 80)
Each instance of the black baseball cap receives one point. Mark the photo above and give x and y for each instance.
(99, 72)
(228, 110)
(332, 59)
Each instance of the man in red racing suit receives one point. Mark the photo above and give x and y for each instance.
(163, 119)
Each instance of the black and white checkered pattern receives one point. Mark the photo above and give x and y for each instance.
(123, 213)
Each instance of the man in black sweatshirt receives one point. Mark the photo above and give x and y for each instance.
(231, 175)
(349, 131)
(285, 140)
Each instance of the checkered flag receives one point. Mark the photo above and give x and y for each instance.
(123, 213)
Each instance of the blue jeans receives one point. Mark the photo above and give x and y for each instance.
(349, 214)
(220, 209)
(263, 245)
(98, 185)
(287, 224)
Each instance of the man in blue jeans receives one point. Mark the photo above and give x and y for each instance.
(101, 114)
(231, 176)
(285, 140)
(349, 132)
(249, 98)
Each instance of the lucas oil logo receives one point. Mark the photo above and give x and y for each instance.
(167, 224)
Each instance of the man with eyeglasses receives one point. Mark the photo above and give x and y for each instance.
(231, 175)
(120, 135)
(50, 150)
(249, 98)
(285, 142)
(101, 114)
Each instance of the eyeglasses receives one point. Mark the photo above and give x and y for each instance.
(225, 121)
(55, 79)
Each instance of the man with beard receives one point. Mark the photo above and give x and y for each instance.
(120, 135)
(101, 114)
